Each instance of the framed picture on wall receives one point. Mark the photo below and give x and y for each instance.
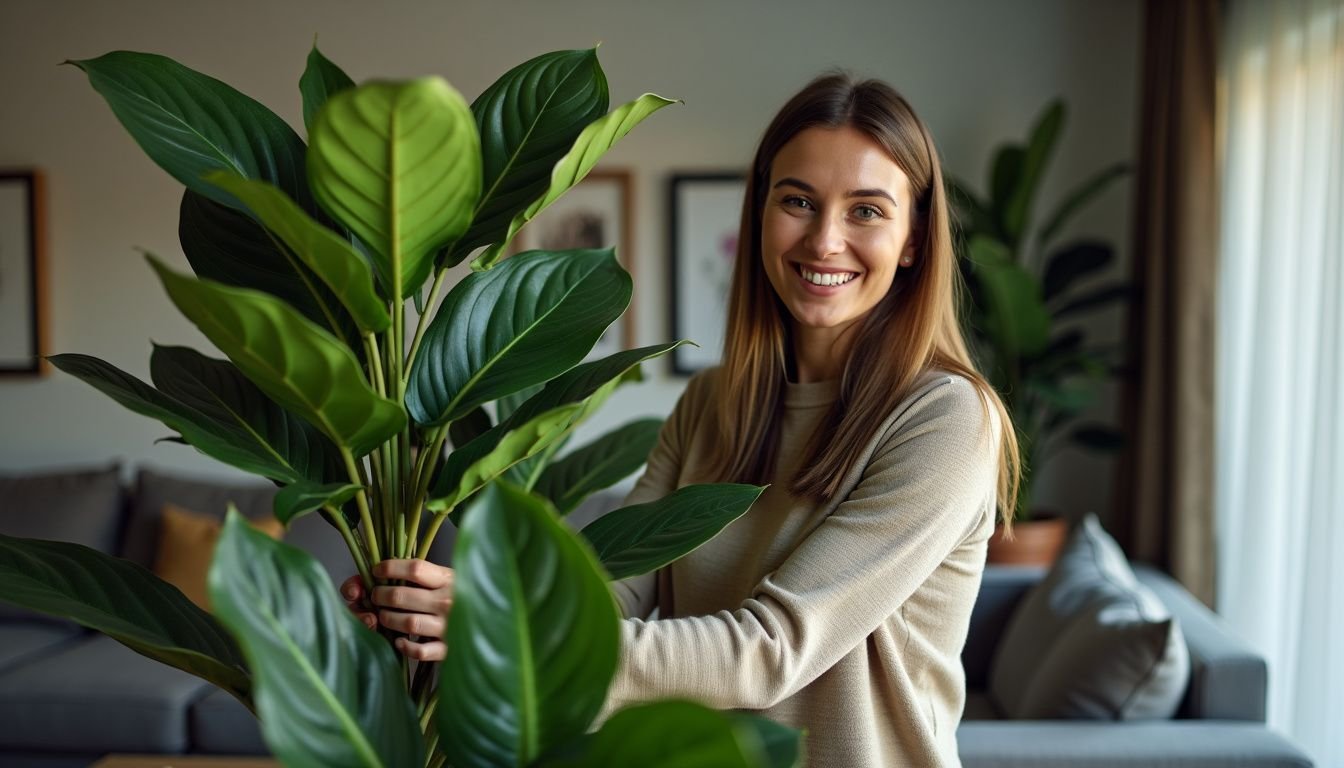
(594, 214)
(706, 210)
(21, 274)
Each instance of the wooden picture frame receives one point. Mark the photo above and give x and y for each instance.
(22, 274)
(705, 216)
(596, 213)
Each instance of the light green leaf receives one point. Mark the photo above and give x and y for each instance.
(329, 257)
(299, 499)
(328, 691)
(601, 463)
(297, 364)
(533, 635)
(527, 120)
(400, 165)
(1015, 315)
(530, 319)
(600, 136)
(643, 538)
(125, 602)
(320, 81)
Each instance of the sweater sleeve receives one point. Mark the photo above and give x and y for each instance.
(638, 595)
(924, 489)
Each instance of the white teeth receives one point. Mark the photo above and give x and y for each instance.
(826, 278)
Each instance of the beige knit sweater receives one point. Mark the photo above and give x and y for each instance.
(846, 618)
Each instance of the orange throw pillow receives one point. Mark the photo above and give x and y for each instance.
(187, 546)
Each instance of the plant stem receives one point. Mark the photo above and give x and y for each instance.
(337, 519)
(423, 322)
(427, 713)
(424, 469)
(365, 517)
(428, 540)
(375, 366)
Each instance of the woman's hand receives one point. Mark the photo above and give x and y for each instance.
(419, 609)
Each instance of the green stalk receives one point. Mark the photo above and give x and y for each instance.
(365, 517)
(428, 540)
(424, 469)
(423, 322)
(337, 519)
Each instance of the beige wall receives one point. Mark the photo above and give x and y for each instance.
(976, 71)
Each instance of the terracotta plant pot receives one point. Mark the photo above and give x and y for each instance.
(1035, 542)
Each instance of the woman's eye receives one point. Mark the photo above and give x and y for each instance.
(797, 202)
(868, 212)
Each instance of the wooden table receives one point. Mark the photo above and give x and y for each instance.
(185, 761)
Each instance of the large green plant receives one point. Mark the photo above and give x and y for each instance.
(306, 259)
(1027, 292)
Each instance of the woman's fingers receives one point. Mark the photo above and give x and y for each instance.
(431, 651)
(422, 624)
(416, 599)
(421, 572)
(370, 620)
(352, 588)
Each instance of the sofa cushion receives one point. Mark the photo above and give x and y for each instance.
(187, 547)
(221, 725)
(23, 641)
(84, 506)
(979, 706)
(1089, 641)
(154, 490)
(96, 695)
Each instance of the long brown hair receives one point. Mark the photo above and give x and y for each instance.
(912, 330)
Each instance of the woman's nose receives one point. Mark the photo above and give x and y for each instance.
(825, 236)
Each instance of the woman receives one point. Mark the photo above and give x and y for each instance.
(840, 602)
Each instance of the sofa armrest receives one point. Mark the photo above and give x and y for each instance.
(1227, 677)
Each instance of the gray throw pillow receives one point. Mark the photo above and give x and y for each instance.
(1090, 642)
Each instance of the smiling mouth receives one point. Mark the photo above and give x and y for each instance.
(824, 279)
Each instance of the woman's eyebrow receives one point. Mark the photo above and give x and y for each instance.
(804, 186)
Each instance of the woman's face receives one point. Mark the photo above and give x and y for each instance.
(835, 228)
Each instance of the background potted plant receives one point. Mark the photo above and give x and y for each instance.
(1027, 290)
(307, 258)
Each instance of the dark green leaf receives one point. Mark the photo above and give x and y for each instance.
(217, 440)
(125, 602)
(533, 636)
(683, 734)
(1079, 197)
(642, 538)
(469, 427)
(400, 165)
(1017, 213)
(229, 247)
(1099, 437)
(320, 81)
(1015, 319)
(1096, 299)
(328, 691)
(532, 318)
(297, 364)
(218, 390)
(1005, 174)
(527, 121)
(322, 251)
(1073, 262)
(598, 465)
(301, 498)
(191, 124)
(506, 405)
(600, 136)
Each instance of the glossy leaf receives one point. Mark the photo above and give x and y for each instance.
(400, 165)
(320, 81)
(125, 602)
(1072, 263)
(469, 427)
(684, 734)
(299, 499)
(297, 364)
(600, 464)
(1016, 317)
(528, 120)
(218, 390)
(643, 538)
(325, 253)
(587, 386)
(191, 124)
(470, 468)
(1079, 197)
(522, 323)
(215, 439)
(533, 635)
(594, 142)
(1017, 211)
(230, 247)
(328, 691)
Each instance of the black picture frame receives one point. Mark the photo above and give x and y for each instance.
(705, 214)
(22, 273)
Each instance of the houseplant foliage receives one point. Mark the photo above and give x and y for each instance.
(1027, 289)
(307, 259)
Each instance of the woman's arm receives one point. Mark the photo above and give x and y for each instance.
(928, 485)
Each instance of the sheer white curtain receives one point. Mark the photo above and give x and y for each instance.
(1280, 469)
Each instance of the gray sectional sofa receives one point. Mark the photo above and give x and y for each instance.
(68, 697)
